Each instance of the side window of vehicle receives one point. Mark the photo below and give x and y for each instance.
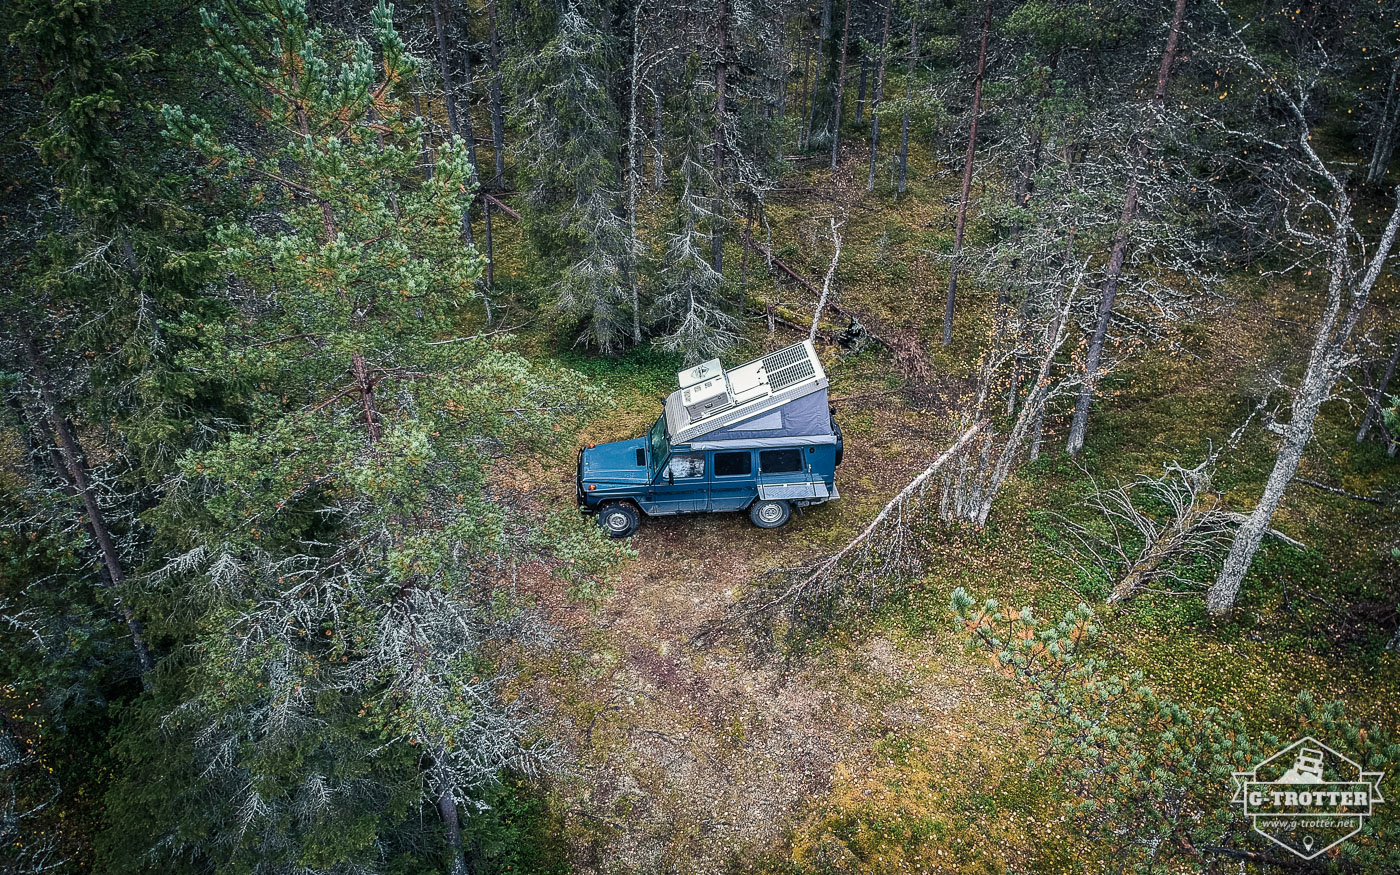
(688, 466)
(733, 464)
(780, 461)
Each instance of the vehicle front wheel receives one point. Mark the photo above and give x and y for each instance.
(770, 514)
(619, 520)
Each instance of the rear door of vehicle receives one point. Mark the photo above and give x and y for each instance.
(786, 474)
(733, 479)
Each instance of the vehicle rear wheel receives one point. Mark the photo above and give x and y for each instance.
(619, 520)
(770, 514)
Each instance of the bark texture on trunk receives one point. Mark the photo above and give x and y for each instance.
(1384, 147)
(75, 466)
(903, 184)
(634, 172)
(961, 223)
(822, 37)
(806, 96)
(1121, 241)
(721, 75)
(840, 88)
(490, 251)
(498, 122)
(452, 831)
(877, 97)
(1094, 355)
(658, 160)
(860, 91)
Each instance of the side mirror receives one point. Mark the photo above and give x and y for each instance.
(671, 476)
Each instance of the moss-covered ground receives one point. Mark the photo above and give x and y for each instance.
(885, 747)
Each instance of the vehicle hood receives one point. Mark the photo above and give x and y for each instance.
(615, 463)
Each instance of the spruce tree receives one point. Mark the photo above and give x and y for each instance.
(569, 153)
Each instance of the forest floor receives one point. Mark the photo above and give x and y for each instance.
(885, 746)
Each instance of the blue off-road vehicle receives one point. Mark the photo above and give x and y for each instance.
(758, 438)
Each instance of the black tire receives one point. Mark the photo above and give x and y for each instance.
(770, 514)
(619, 520)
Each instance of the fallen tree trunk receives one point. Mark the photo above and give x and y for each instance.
(496, 202)
(774, 261)
(886, 548)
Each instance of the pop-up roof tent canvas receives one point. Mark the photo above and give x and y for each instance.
(777, 400)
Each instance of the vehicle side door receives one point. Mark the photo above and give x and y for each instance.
(733, 479)
(680, 487)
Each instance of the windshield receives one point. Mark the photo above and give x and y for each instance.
(660, 446)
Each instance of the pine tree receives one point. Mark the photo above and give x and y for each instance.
(352, 563)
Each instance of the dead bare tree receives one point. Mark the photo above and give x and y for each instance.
(961, 224)
(1121, 241)
(968, 493)
(872, 566)
(1376, 396)
(830, 276)
(75, 470)
(1318, 217)
(1153, 526)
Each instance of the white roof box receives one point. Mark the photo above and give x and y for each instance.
(743, 392)
(703, 399)
(700, 373)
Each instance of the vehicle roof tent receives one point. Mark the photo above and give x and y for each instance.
(777, 400)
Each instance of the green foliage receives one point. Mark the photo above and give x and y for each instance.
(570, 159)
(351, 567)
(1148, 777)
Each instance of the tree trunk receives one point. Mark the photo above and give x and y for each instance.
(903, 184)
(634, 172)
(1037, 434)
(1384, 146)
(96, 522)
(1094, 355)
(806, 96)
(1173, 539)
(748, 238)
(878, 96)
(452, 831)
(781, 103)
(1325, 365)
(360, 370)
(721, 73)
(658, 159)
(840, 87)
(498, 123)
(449, 96)
(1375, 399)
(1121, 240)
(824, 35)
(961, 223)
(490, 252)
(860, 91)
